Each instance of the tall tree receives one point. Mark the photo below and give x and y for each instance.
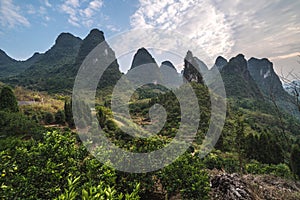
(240, 140)
(68, 113)
(295, 160)
(8, 100)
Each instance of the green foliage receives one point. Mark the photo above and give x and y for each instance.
(295, 160)
(222, 161)
(48, 118)
(8, 101)
(50, 168)
(281, 170)
(187, 177)
(60, 117)
(17, 124)
(69, 114)
(102, 115)
(260, 148)
(95, 192)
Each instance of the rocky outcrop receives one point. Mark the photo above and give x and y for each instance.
(230, 187)
(226, 186)
(191, 71)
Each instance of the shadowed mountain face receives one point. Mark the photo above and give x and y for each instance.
(265, 77)
(220, 62)
(112, 74)
(144, 68)
(238, 80)
(170, 76)
(142, 57)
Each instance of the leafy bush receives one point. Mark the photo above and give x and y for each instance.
(187, 177)
(281, 170)
(18, 124)
(49, 169)
(48, 118)
(8, 101)
(60, 117)
(227, 162)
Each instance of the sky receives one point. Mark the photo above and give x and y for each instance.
(257, 28)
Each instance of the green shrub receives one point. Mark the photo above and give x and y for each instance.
(48, 118)
(12, 124)
(187, 177)
(226, 162)
(60, 117)
(281, 170)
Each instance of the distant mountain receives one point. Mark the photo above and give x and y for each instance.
(202, 66)
(191, 71)
(55, 70)
(92, 40)
(220, 63)
(41, 74)
(238, 80)
(170, 76)
(5, 59)
(10, 67)
(144, 68)
(292, 86)
(267, 80)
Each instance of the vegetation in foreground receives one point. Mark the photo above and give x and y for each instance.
(52, 163)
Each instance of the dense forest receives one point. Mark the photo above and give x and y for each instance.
(42, 156)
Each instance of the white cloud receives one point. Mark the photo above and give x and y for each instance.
(265, 29)
(11, 15)
(48, 4)
(113, 28)
(73, 3)
(260, 28)
(81, 13)
(291, 55)
(196, 19)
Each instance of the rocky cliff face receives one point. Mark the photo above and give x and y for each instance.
(267, 80)
(191, 71)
